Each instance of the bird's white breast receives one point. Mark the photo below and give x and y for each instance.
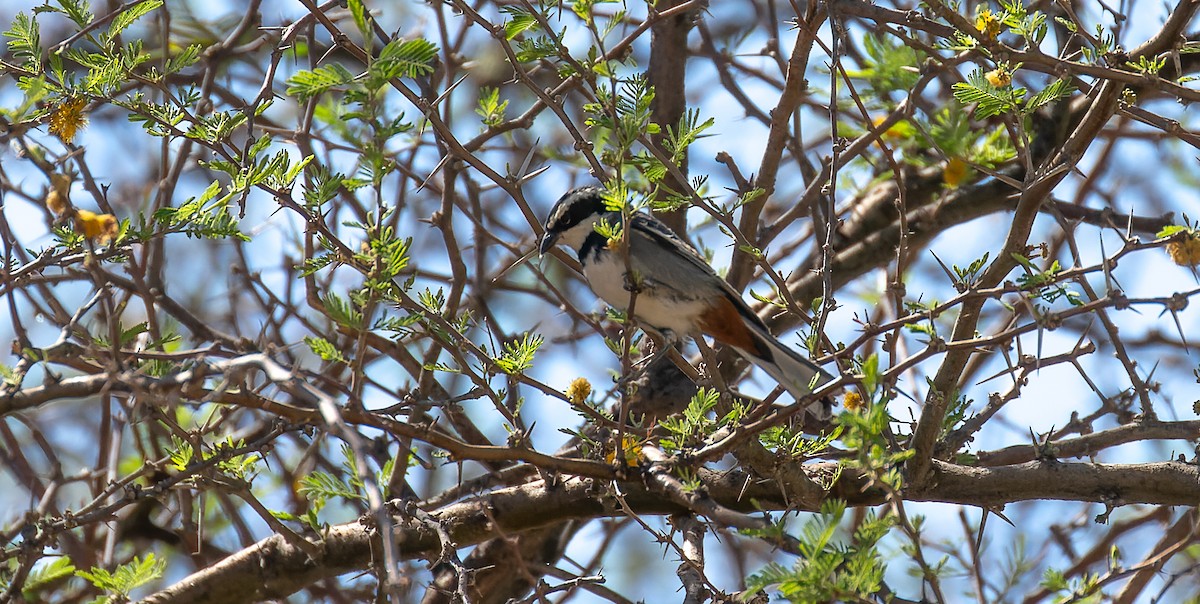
(657, 307)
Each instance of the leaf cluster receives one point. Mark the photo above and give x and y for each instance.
(993, 100)
(240, 466)
(126, 578)
(1044, 283)
(693, 425)
(829, 568)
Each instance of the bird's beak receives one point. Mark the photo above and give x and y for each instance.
(547, 243)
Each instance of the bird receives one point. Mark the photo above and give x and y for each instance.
(673, 289)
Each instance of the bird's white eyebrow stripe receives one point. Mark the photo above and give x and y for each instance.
(556, 216)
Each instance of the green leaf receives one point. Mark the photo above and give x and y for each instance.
(8, 376)
(1057, 90)
(186, 58)
(128, 16)
(242, 467)
(402, 59)
(687, 132)
(691, 426)
(308, 84)
(871, 373)
(200, 219)
(491, 108)
(828, 570)
(323, 184)
(322, 485)
(431, 300)
(362, 18)
(26, 41)
(181, 454)
(1054, 580)
(888, 65)
(583, 9)
(1068, 24)
(282, 515)
(519, 21)
(75, 10)
(518, 355)
(991, 100)
(1169, 230)
(324, 349)
(402, 326)
(128, 335)
(342, 311)
(783, 440)
(535, 49)
(45, 574)
(127, 577)
(386, 252)
(216, 127)
(290, 175)
(313, 265)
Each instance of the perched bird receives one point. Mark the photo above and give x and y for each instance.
(674, 290)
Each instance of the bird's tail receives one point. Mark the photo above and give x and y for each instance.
(796, 373)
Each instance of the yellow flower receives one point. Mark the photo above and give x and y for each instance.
(632, 451)
(998, 78)
(59, 197)
(579, 390)
(67, 118)
(896, 132)
(955, 172)
(99, 228)
(852, 401)
(988, 24)
(1185, 251)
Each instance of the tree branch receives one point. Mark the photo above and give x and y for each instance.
(272, 568)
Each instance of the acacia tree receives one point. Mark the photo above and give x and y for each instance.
(276, 329)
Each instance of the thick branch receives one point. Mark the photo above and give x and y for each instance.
(272, 568)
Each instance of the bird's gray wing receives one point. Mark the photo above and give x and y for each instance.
(684, 271)
(687, 271)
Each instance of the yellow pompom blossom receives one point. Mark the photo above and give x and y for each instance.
(852, 401)
(59, 197)
(98, 228)
(1185, 251)
(67, 118)
(988, 24)
(955, 172)
(579, 390)
(632, 452)
(998, 77)
(897, 132)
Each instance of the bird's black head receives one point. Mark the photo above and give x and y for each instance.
(573, 217)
